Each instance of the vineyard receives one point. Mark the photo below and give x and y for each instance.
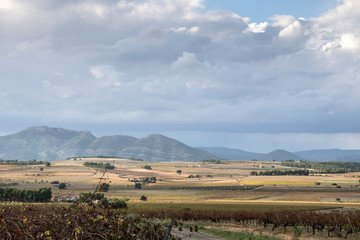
(85, 221)
(77, 222)
(329, 224)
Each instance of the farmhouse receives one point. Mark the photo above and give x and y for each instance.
(62, 198)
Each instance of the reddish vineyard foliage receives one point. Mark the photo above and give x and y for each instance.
(77, 222)
(334, 223)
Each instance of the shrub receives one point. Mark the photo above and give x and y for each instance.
(104, 187)
(148, 167)
(62, 186)
(117, 203)
(54, 182)
(103, 203)
(143, 198)
(138, 186)
(88, 197)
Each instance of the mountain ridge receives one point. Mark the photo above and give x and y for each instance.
(45, 143)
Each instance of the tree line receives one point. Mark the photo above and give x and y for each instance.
(325, 167)
(281, 173)
(17, 162)
(25, 195)
(99, 165)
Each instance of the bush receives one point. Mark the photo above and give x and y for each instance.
(88, 197)
(104, 187)
(54, 182)
(62, 186)
(143, 198)
(117, 203)
(148, 167)
(103, 203)
(138, 186)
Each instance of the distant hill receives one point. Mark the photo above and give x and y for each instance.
(44, 143)
(230, 153)
(331, 155)
(237, 154)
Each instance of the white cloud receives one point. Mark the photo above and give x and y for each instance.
(189, 61)
(350, 41)
(107, 76)
(258, 27)
(172, 61)
(292, 31)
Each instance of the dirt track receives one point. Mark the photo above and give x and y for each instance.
(187, 235)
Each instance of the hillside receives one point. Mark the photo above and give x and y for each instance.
(237, 154)
(44, 143)
(331, 155)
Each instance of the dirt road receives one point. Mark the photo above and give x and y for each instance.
(187, 235)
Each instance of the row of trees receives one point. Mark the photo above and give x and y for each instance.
(325, 167)
(17, 162)
(99, 165)
(281, 173)
(25, 195)
(214, 161)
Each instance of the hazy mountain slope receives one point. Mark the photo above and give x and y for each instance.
(44, 143)
(237, 154)
(157, 147)
(76, 146)
(280, 155)
(34, 143)
(231, 154)
(330, 155)
(109, 145)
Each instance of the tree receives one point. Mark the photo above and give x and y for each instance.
(47, 164)
(148, 167)
(41, 169)
(117, 203)
(104, 187)
(179, 172)
(62, 186)
(143, 198)
(88, 197)
(138, 185)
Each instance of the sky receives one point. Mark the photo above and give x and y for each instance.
(254, 75)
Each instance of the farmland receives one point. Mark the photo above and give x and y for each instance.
(197, 187)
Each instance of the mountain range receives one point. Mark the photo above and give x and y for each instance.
(312, 155)
(44, 143)
(47, 144)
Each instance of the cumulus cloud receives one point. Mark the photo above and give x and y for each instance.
(173, 61)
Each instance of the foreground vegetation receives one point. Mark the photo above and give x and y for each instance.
(75, 222)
